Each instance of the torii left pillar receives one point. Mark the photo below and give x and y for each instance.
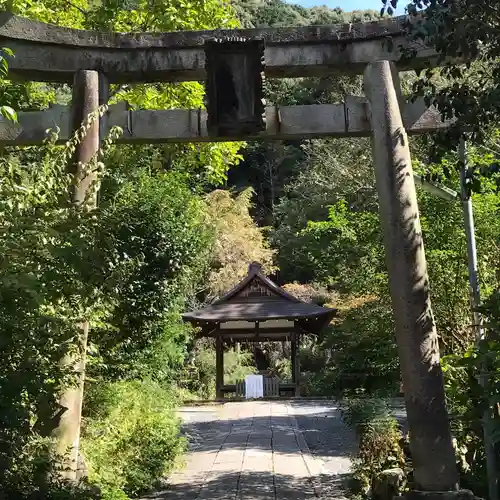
(89, 91)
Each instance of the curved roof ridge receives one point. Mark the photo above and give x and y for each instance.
(310, 317)
(255, 271)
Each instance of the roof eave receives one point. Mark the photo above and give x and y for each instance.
(322, 317)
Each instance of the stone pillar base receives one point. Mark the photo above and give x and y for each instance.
(438, 495)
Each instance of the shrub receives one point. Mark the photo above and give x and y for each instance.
(379, 439)
(237, 365)
(311, 292)
(468, 400)
(362, 413)
(359, 351)
(125, 266)
(33, 476)
(131, 436)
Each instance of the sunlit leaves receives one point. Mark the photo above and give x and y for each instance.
(209, 161)
(69, 13)
(465, 88)
(160, 15)
(238, 240)
(127, 266)
(349, 240)
(6, 111)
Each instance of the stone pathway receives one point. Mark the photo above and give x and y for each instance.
(258, 450)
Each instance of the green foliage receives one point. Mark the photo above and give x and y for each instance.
(363, 414)
(271, 167)
(131, 436)
(6, 111)
(199, 374)
(328, 230)
(125, 16)
(126, 266)
(206, 162)
(33, 475)
(356, 239)
(266, 167)
(261, 13)
(358, 352)
(473, 388)
(43, 295)
(331, 171)
(198, 377)
(379, 439)
(153, 240)
(283, 369)
(446, 252)
(238, 241)
(237, 365)
(131, 265)
(465, 85)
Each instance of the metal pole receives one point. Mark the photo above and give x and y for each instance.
(475, 294)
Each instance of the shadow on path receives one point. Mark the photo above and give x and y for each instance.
(262, 451)
(324, 432)
(321, 424)
(253, 486)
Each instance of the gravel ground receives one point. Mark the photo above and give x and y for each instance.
(331, 441)
(325, 434)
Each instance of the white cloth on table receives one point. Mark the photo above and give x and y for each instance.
(254, 386)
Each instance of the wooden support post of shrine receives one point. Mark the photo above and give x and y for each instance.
(85, 102)
(433, 455)
(219, 367)
(295, 344)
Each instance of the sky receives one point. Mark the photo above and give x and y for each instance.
(349, 5)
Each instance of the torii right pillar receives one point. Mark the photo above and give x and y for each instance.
(431, 446)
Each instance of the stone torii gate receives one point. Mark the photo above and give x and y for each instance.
(90, 61)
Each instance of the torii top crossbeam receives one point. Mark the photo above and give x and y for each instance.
(52, 53)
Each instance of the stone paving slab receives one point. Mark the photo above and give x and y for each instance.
(255, 450)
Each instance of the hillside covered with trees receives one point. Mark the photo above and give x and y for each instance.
(177, 224)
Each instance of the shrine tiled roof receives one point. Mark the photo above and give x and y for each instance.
(257, 298)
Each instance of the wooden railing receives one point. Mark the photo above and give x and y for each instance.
(273, 388)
